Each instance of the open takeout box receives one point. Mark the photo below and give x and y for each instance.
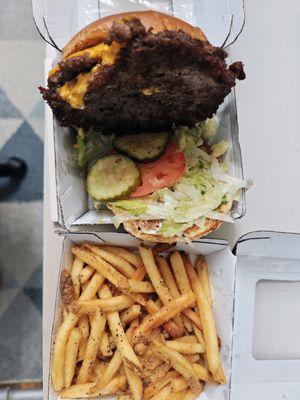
(221, 20)
(254, 294)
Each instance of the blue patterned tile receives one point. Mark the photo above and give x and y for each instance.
(38, 111)
(7, 109)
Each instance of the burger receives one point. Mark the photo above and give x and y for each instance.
(141, 91)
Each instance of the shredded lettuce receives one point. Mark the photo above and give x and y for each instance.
(204, 187)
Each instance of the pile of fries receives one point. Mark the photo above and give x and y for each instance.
(137, 326)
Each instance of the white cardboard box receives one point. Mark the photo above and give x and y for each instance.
(255, 370)
(221, 20)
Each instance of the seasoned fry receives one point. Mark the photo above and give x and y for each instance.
(179, 363)
(84, 326)
(192, 358)
(208, 324)
(135, 383)
(71, 355)
(187, 339)
(154, 275)
(164, 314)
(97, 322)
(130, 314)
(199, 336)
(64, 313)
(127, 254)
(185, 348)
(59, 351)
(202, 373)
(187, 323)
(97, 371)
(192, 396)
(180, 273)
(140, 273)
(86, 274)
(179, 384)
(67, 291)
(75, 272)
(140, 286)
(92, 287)
(103, 267)
(104, 348)
(162, 394)
(110, 372)
(124, 397)
(118, 262)
(117, 384)
(177, 395)
(156, 387)
(117, 303)
(202, 271)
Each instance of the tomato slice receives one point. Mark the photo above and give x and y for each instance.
(164, 172)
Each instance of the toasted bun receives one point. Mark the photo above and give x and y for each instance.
(142, 229)
(97, 31)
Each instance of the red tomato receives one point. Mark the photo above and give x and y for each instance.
(164, 172)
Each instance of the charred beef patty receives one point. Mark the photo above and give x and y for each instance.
(153, 82)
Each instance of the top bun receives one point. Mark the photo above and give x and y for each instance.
(98, 31)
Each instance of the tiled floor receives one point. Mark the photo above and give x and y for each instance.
(21, 134)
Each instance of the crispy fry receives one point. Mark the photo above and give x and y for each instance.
(193, 317)
(179, 363)
(192, 396)
(164, 314)
(154, 275)
(177, 395)
(118, 262)
(140, 286)
(199, 336)
(130, 314)
(179, 384)
(117, 303)
(86, 274)
(162, 394)
(192, 358)
(140, 349)
(180, 273)
(64, 313)
(97, 322)
(92, 287)
(128, 355)
(202, 373)
(67, 291)
(140, 273)
(127, 254)
(185, 348)
(208, 324)
(110, 372)
(71, 355)
(75, 272)
(135, 383)
(104, 348)
(155, 387)
(103, 267)
(202, 271)
(59, 351)
(97, 371)
(84, 326)
(117, 384)
(187, 339)
(187, 323)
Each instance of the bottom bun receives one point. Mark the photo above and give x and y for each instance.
(145, 230)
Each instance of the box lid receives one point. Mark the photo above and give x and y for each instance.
(58, 21)
(266, 352)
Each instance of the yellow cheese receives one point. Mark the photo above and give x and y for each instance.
(73, 91)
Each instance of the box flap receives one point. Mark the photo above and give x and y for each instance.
(266, 318)
(58, 21)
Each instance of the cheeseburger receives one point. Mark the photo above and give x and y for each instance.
(145, 87)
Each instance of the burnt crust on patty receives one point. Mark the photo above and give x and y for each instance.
(158, 80)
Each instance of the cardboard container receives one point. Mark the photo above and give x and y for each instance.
(254, 305)
(221, 20)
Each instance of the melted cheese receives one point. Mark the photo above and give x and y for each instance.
(73, 91)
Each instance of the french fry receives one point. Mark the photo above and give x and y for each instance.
(130, 314)
(103, 267)
(187, 323)
(117, 303)
(92, 287)
(180, 273)
(164, 314)
(75, 272)
(84, 326)
(71, 355)
(199, 336)
(155, 387)
(202, 373)
(116, 385)
(118, 262)
(140, 349)
(140, 286)
(192, 358)
(189, 395)
(208, 324)
(177, 395)
(97, 371)
(179, 384)
(185, 348)
(104, 348)
(154, 275)
(179, 363)
(110, 372)
(86, 274)
(140, 273)
(187, 339)
(126, 254)
(202, 271)
(128, 355)
(124, 397)
(97, 322)
(135, 383)
(59, 351)
(193, 317)
(65, 313)
(162, 394)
